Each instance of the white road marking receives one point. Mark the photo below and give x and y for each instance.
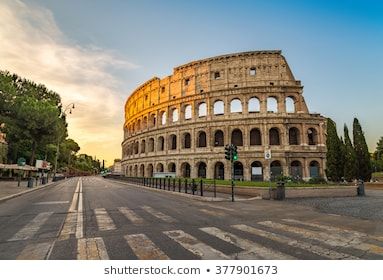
(32, 227)
(91, 249)
(104, 221)
(252, 250)
(80, 221)
(221, 207)
(73, 205)
(159, 214)
(195, 246)
(69, 227)
(144, 248)
(320, 251)
(37, 251)
(332, 239)
(130, 215)
(214, 213)
(51, 202)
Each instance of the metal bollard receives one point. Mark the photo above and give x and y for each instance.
(186, 185)
(179, 184)
(174, 184)
(193, 186)
(360, 190)
(201, 187)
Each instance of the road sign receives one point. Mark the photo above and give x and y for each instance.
(267, 154)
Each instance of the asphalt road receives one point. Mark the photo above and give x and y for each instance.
(94, 218)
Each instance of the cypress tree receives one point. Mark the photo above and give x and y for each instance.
(363, 160)
(349, 157)
(334, 164)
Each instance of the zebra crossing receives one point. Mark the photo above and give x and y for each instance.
(283, 237)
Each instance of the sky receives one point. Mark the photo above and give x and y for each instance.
(95, 53)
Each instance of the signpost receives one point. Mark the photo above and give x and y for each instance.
(268, 158)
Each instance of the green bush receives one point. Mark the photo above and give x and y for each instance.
(317, 180)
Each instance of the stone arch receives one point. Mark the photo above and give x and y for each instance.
(186, 143)
(175, 115)
(274, 138)
(163, 118)
(294, 136)
(160, 143)
(219, 107)
(144, 122)
(235, 106)
(202, 110)
(254, 105)
(136, 150)
(142, 171)
(219, 140)
(256, 171)
(238, 170)
(138, 125)
(314, 169)
(173, 142)
(219, 170)
(172, 167)
(185, 170)
(201, 140)
(130, 171)
(296, 170)
(255, 137)
(276, 169)
(188, 112)
(143, 146)
(236, 137)
(151, 145)
(290, 104)
(272, 104)
(312, 136)
(160, 167)
(153, 121)
(201, 169)
(135, 171)
(149, 170)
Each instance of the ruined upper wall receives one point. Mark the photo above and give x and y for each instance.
(214, 74)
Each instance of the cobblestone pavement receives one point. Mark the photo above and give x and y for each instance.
(367, 207)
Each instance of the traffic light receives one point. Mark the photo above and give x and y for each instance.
(235, 153)
(227, 152)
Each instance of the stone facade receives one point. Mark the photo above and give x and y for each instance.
(181, 123)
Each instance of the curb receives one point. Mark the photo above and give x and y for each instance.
(195, 197)
(24, 192)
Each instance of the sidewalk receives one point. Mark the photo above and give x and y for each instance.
(10, 188)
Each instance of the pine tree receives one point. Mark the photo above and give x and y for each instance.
(334, 163)
(364, 169)
(349, 157)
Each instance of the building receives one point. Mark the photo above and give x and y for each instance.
(181, 123)
(116, 168)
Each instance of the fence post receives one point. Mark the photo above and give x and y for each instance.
(201, 187)
(179, 184)
(186, 185)
(193, 186)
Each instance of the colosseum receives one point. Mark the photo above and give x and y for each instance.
(182, 122)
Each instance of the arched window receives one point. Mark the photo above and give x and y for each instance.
(238, 170)
(272, 105)
(188, 112)
(143, 146)
(163, 118)
(139, 125)
(219, 171)
(236, 137)
(290, 105)
(135, 174)
(187, 141)
(173, 142)
(312, 136)
(145, 123)
(152, 122)
(219, 107)
(255, 137)
(296, 170)
(314, 169)
(294, 136)
(185, 169)
(254, 105)
(175, 115)
(160, 167)
(274, 136)
(161, 144)
(235, 106)
(202, 170)
(136, 148)
(172, 167)
(218, 139)
(256, 171)
(202, 110)
(151, 145)
(142, 170)
(276, 169)
(149, 170)
(201, 139)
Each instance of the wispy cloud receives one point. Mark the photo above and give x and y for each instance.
(34, 47)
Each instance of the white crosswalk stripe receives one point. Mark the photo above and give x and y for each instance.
(195, 246)
(37, 251)
(159, 214)
(330, 239)
(320, 251)
(32, 227)
(130, 215)
(91, 249)
(104, 221)
(252, 250)
(144, 248)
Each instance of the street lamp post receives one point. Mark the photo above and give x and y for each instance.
(69, 108)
